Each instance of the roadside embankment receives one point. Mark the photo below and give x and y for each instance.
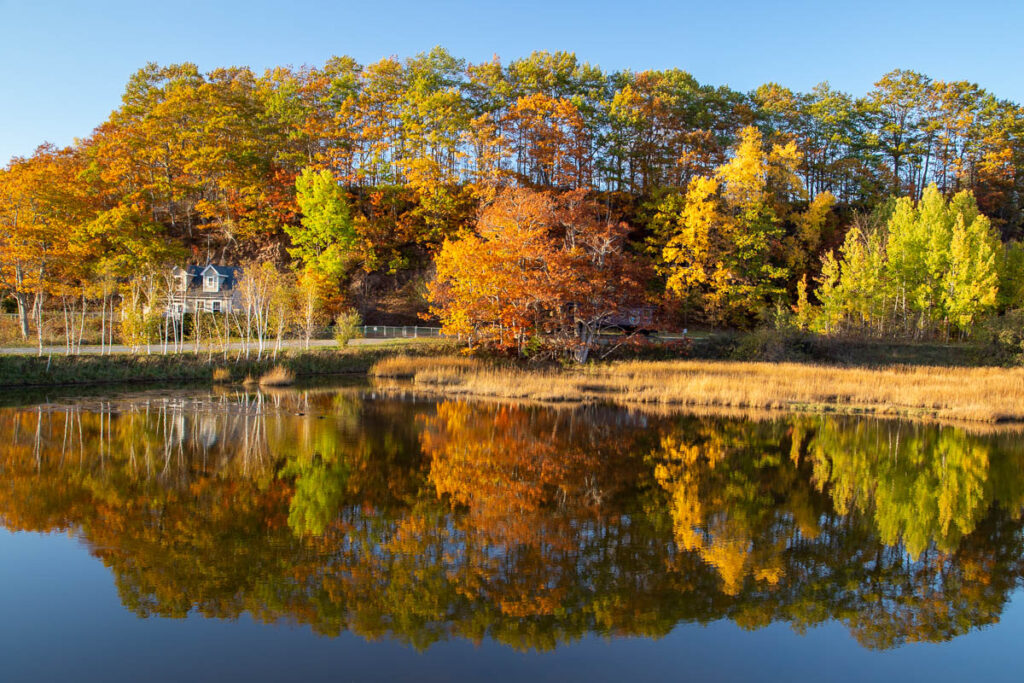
(33, 371)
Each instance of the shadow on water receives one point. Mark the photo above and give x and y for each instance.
(424, 521)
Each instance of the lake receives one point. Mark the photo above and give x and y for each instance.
(332, 533)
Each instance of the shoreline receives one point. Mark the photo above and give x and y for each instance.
(978, 396)
(419, 392)
(34, 372)
(946, 394)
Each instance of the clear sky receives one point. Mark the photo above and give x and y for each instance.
(63, 64)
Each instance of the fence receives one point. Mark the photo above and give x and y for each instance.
(49, 315)
(414, 331)
(396, 332)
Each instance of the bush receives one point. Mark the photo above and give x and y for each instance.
(347, 326)
(774, 344)
(1002, 339)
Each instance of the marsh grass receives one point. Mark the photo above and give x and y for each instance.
(278, 376)
(941, 393)
(221, 375)
(404, 366)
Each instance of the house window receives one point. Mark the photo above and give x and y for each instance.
(211, 283)
(214, 307)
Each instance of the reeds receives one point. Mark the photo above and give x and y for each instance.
(949, 394)
(221, 375)
(278, 376)
(404, 366)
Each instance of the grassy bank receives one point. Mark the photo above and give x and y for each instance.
(941, 393)
(976, 394)
(32, 371)
(799, 347)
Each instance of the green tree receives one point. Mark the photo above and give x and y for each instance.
(931, 268)
(971, 283)
(324, 242)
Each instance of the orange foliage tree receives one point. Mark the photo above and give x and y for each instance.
(538, 266)
(550, 141)
(42, 207)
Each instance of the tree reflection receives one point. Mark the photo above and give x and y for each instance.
(531, 526)
(920, 485)
(736, 499)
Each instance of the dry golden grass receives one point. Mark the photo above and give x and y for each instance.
(278, 376)
(221, 375)
(406, 367)
(948, 394)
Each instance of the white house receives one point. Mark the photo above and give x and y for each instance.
(210, 288)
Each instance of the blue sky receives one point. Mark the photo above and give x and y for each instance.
(64, 64)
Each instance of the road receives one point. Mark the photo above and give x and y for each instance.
(190, 348)
(403, 338)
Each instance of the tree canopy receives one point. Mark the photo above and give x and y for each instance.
(350, 168)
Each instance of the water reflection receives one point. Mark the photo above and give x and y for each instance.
(426, 521)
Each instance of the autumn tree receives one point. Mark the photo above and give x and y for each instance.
(538, 266)
(932, 267)
(498, 283)
(43, 206)
(549, 141)
(315, 298)
(664, 128)
(721, 242)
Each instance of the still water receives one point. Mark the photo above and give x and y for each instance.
(333, 534)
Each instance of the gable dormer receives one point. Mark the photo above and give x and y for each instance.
(181, 278)
(211, 279)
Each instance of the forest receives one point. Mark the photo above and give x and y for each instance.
(541, 197)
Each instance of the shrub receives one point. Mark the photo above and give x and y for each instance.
(347, 326)
(1002, 339)
(774, 344)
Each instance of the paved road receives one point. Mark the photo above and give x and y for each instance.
(58, 350)
(189, 348)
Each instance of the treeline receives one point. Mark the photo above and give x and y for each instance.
(399, 155)
(731, 249)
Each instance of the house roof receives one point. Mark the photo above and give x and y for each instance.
(229, 275)
(223, 271)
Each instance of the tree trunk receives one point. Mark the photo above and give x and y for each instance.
(81, 326)
(103, 324)
(39, 320)
(22, 300)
